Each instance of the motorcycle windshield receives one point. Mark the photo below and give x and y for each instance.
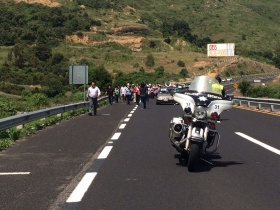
(205, 84)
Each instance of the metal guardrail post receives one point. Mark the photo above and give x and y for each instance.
(259, 106)
(272, 108)
(248, 104)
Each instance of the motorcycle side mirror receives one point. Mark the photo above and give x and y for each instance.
(188, 110)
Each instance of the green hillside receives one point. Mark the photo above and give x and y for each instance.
(38, 43)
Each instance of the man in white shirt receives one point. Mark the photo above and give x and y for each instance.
(123, 93)
(92, 95)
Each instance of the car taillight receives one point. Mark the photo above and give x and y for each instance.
(214, 115)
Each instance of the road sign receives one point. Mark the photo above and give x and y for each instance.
(235, 85)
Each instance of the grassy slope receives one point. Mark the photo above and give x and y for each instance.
(257, 20)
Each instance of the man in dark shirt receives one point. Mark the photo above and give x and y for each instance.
(109, 93)
(143, 92)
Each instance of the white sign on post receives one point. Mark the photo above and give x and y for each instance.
(79, 75)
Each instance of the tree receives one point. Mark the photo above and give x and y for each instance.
(55, 87)
(150, 61)
(244, 86)
(42, 52)
(101, 77)
(184, 73)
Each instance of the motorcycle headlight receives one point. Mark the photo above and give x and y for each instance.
(200, 113)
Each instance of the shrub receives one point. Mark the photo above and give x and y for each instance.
(181, 63)
(150, 61)
(37, 100)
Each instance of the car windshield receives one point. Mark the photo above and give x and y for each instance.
(205, 84)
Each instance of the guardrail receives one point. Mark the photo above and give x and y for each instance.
(21, 119)
(271, 103)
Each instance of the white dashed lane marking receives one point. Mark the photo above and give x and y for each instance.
(122, 126)
(82, 187)
(14, 173)
(116, 136)
(105, 152)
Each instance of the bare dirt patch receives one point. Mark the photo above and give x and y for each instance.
(201, 64)
(49, 3)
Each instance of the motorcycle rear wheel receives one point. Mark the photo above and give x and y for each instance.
(193, 156)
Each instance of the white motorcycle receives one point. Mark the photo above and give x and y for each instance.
(194, 134)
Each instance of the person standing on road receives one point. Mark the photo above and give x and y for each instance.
(110, 93)
(117, 93)
(92, 95)
(128, 93)
(143, 93)
(123, 88)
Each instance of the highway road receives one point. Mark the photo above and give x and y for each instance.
(123, 159)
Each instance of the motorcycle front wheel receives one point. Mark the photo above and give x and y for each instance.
(193, 156)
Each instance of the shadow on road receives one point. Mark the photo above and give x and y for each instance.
(207, 162)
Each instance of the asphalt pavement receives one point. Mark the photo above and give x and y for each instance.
(123, 159)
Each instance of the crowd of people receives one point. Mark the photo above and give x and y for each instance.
(133, 93)
(130, 94)
(138, 94)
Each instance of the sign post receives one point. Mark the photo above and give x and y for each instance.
(78, 75)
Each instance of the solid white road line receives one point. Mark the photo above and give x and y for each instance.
(105, 152)
(116, 136)
(127, 119)
(272, 149)
(14, 173)
(129, 115)
(82, 187)
(122, 126)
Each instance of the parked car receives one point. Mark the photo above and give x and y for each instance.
(164, 96)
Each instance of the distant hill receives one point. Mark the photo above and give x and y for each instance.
(119, 34)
